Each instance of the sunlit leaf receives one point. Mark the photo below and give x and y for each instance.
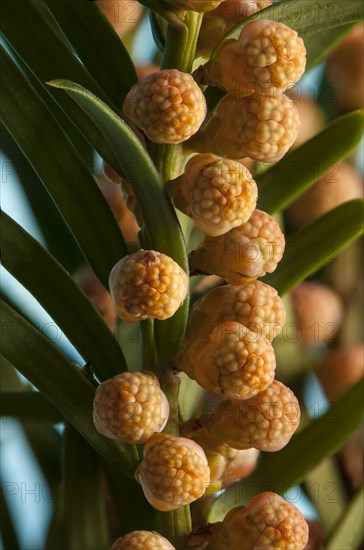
(190, 395)
(321, 43)
(325, 487)
(348, 533)
(316, 244)
(284, 181)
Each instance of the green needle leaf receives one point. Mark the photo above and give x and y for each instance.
(97, 45)
(64, 384)
(58, 293)
(7, 528)
(84, 511)
(45, 442)
(161, 230)
(34, 34)
(279, 471)
(321, 43)
(307, 18)
(316, 244)
(136, 164)
(29, 406)
(286, 180)
(61, 170)
(155, 27)
(327, 477)
(30, 35)
(349, 531)
(34, 411)
(135, 507)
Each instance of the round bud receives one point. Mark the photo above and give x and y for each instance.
(311, 116)
(256, 306)
(266, 422)
(167, 105)
(130, 407)
(173, 472)
(262, 127)
(344, 71)
(316, 537)
(318, 312)
(337, 372)
(147, 285)
(217, 193)
(142, 540)
(233, 361)
(267, 522)
(340, 184)
(351, 458)
(268, 57)
(146, 70)
(240, 464)
(340, 369)
(218, 22)
(250, 250)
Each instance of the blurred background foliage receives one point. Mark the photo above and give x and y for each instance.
(56, 490)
